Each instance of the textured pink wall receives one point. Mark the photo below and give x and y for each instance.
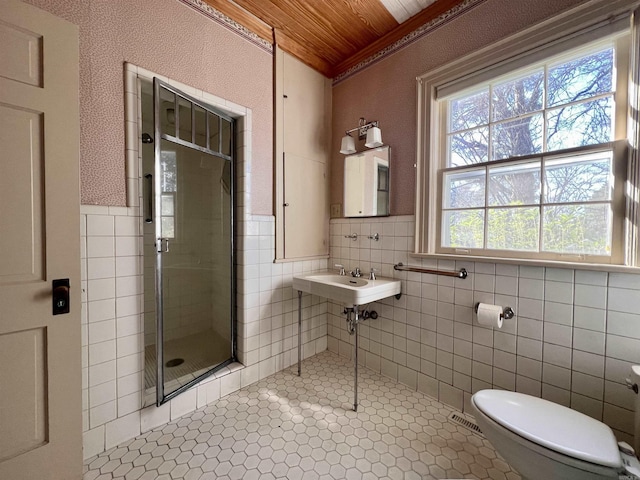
(386, 91)
(172, 39)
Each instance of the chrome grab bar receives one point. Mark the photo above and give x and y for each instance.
(405, 268)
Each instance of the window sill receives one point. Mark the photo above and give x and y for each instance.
(600, 267)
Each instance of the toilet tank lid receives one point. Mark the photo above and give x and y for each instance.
(553, 426)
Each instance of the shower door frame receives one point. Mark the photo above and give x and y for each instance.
(161, 398)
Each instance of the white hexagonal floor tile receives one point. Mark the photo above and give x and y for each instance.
(286, 426)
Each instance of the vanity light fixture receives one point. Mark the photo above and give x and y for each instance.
(374, 138)
(369, 130)
(348, 145)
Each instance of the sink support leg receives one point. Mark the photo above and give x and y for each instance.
(299, 332)
(355, 360)
(353, 318)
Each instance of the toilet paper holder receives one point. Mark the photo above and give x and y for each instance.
(507, 312)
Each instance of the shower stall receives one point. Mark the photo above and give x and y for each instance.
(189, 311)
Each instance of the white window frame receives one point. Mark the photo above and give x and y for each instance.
(587, 23)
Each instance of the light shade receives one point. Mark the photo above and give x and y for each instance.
(374, 138)
(348, 145)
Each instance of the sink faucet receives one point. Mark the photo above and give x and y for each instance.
(341, 267)
(356, 272)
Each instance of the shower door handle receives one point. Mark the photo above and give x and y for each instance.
(159, 245)
(148, 202)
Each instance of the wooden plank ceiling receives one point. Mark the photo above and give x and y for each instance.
(331, 36)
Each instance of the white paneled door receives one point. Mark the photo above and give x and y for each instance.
(40, 357)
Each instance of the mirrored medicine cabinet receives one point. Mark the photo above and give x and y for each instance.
(366, 183)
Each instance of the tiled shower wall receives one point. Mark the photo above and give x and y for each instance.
(113, 303)
(574, 337)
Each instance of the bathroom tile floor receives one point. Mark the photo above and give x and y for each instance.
(286, 426)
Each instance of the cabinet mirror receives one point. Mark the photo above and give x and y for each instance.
(366, 183)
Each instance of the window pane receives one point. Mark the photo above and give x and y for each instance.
(185, 119)
(226, 137)
(514, 228)
(469, 111)
(578, 229)
(168, 170)
(167, 205)
(464, 190)
(582, 178)
(168, 112)
(522, 136)
(469, 147)
(581, 78)
(463, 228)
(168, 227)
(518, 97)
(587, 123)
(201, 125)
(515, 184)
(214, 132)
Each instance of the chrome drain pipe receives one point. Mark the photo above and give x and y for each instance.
(353, 318)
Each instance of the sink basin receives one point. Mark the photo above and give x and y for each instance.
(345, 288)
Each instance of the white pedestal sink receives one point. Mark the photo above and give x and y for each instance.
(352, 292)
(345, 288)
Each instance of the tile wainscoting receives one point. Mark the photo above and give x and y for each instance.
(572, 341)
(112, 325)
(574, 337)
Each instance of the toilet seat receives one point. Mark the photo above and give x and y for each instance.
(552, 426)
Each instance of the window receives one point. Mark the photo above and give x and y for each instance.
(527, 158)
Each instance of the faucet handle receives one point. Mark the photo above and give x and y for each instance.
(372, 274)
(341, 267)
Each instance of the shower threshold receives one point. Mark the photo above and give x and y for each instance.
(200, 353)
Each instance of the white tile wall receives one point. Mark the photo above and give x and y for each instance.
(573, 339)
(112, 344)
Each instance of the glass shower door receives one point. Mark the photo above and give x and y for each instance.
(194, 264)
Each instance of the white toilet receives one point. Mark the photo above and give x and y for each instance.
(544, 440)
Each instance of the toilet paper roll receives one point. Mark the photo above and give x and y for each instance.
(490, 315)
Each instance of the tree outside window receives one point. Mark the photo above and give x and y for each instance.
(516, 177)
